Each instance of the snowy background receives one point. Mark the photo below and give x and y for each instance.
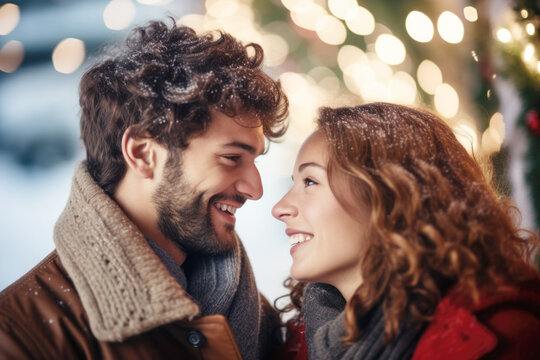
(40, 146)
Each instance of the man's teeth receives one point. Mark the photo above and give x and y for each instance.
(227, 208)
(299, 238)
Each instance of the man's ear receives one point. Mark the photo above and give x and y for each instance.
(139, 153)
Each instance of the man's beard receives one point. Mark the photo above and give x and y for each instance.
(183, 213)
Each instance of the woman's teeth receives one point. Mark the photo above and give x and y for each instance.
(225, 208)
(299, 238)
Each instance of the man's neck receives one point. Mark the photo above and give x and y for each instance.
(141, 211)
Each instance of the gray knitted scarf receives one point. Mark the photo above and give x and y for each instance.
(323, 314)
(224, 284)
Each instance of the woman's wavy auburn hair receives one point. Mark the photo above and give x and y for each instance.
(435, 220)
(164, 80)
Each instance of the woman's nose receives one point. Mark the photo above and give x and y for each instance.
(284, 209)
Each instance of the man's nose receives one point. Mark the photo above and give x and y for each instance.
(249, 184)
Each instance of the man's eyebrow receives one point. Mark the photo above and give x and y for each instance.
(250, 149)
(307, 164)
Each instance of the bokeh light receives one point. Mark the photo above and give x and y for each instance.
(470, 13)
(530, 29)
(350, 54)
(403, 88)
(528, 53)
(118, 14)
(154, 2)
(221, 8)
(419, 26)
(450, 27)
(330, 30)
(504, 35)
(493, 136)
(9, 18)
(390, 49)
(360, 21)
(446, 100)
(341, 8)
(68, 55)
(429, 76)
(11, 56)
(306, 14)
(467, 136)
(275, 48)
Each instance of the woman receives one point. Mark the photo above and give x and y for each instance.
(407, 250)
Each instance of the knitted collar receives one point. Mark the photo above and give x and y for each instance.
(124, 287)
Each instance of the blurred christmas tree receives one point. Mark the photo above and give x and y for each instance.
(463, 68)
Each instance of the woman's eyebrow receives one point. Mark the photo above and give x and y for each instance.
(307, 164)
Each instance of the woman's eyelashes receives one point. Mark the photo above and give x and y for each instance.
(309, 182)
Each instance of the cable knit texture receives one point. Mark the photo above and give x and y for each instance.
(124, 287)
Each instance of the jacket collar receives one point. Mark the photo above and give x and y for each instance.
(123, 286)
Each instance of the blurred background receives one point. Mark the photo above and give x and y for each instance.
(475, 63)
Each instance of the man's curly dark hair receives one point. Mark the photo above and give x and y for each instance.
(164, 80)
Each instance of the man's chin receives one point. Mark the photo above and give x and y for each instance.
(226, 238)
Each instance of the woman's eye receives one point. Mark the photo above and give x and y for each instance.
(309, 182)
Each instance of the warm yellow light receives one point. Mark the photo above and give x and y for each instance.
(403, 88)
(419, 26)
(221, 8)
(194, 21)
(390, 49)
(467, 136)
(275, 48)
(429, 76)
(68, 55)
(497, 123)
(9, 18)
(350, 54)
(356, 75)
(450, 27)
(446, 100)
(528, 53)
(504, 35)
(524, 13)
(118, 14)
(360, 21)
(154, 2)
(491, 142)
(340, 8)
(530, 29)
(290, 4)
(306, 15)
(11, 56)
(538, 66)
(470, 13)
(382, 71)
(330, 30)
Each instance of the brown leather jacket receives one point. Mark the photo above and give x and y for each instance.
(104, 294)
(42, 317)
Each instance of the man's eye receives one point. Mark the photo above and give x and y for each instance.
(309, 182)
(231, 159)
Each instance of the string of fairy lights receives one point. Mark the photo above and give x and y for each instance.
(370, 74)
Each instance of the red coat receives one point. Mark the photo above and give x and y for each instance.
(504, 324)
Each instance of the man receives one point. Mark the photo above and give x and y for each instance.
(147, 263)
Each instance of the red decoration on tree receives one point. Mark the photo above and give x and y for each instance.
(533, 122)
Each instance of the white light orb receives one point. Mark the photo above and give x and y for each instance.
(390, 49)
(419, 26)
(450, 27)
